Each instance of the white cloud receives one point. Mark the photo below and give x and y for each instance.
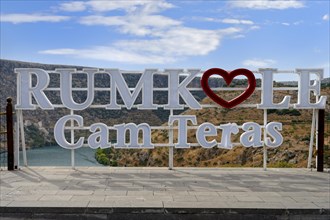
(73, 6)
(259, 63)
(158, 39)
(254, 27)
(102, 20)
(297, 22)
(140, 25)
(236, 21)
(140, 18)
(111, 54)
(325, 17)
(267, 4)
(239, 36)
(175, 44)
(147, 6)
(59, 51)
(292, 23)
(225, 20)
(180, 41)
(31, 18)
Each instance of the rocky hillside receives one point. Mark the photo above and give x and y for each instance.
(292, 153)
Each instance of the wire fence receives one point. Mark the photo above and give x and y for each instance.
(296, 133)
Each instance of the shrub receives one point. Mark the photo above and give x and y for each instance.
(282, 164)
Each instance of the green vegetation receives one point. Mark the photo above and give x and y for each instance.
(102, 156)
(281, 164)
(291, 112)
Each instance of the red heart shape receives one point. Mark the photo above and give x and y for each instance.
(228, 77)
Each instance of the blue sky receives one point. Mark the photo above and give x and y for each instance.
(135, 35)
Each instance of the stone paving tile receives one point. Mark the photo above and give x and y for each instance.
(183, 189)
(249, 199)
(7, 197)
(4, 203)
(139, 198)
(171, 192)
(176, 204)
(325, 193)
(93, 182)
(18, 192)
(323, 205)
(101, 204)
(140, 204)
(278, 199)
(117, 198)
(120, 184)
(4, 190)
(46, 192)
(158, 198)
(273, 205)
(139, 193)
(48, 203)
(238, 189)
(298, 194)
(134, 188)
(202, 193)
(110, 193)
(295, 205)
(42, 187)
(87, 198)
(184, 198)
(267, 194)
(27, 197)
(154, 188)
(235, 193)
(75, 192)
(147, 183)
(310, 199)
(210, 198)
(216, 198)
(56, 197)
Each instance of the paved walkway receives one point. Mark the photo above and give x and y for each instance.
(209, 188)
(160, 187)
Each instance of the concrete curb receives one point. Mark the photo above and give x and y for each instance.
(115, 213)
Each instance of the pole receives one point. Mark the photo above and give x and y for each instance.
(72, 142)
(170, 153)
(320, 141)
(317, 135)
(265, 138)
(311, 142)
(16, 143)
(10, 135)
(23, 137)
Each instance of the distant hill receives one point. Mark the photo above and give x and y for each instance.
(325, 82)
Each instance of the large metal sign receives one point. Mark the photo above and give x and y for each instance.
(253, 134)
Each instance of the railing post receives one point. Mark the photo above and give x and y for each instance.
(10, 134)
(320, 137)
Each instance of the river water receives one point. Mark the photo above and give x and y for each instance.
(58, 156)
